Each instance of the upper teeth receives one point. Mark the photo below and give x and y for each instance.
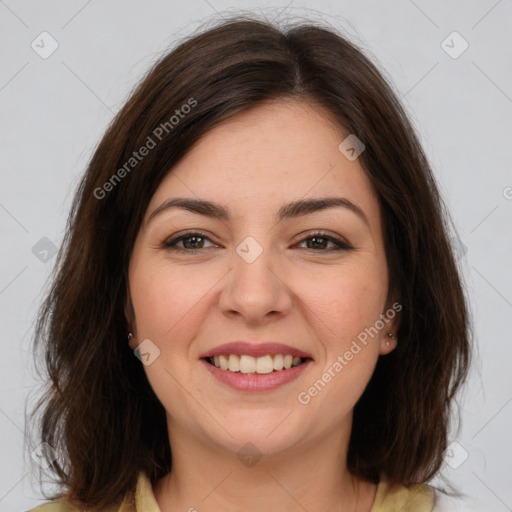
(249, 364)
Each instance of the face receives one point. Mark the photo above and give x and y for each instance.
(314, 279)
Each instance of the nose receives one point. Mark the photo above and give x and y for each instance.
(255, 290)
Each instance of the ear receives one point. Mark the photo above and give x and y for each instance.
(129, 314)
(391, 318)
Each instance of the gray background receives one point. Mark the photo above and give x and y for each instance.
(54, 110)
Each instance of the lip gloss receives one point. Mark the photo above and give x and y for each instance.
(262, 382)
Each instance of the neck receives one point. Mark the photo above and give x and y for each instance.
(312, 477)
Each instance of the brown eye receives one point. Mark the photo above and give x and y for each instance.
(319, 242)
(191, 242)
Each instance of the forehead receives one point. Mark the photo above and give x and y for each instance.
(262, 158)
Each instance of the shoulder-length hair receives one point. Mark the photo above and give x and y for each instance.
(100, 414)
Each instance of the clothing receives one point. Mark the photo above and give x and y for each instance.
(418, 498)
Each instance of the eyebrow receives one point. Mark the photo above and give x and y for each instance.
(294, 209)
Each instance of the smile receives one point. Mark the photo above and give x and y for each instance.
(248, 373)
(255, 365)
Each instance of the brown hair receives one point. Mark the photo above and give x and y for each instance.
(100, 414)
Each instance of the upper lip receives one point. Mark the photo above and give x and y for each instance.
(255, 349)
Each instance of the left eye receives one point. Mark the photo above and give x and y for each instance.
(321, 240)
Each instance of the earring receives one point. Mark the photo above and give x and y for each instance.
(130, 336)
(390, 335)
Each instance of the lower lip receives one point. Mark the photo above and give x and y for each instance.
(262, 382)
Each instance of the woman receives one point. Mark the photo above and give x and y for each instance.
(260, 227)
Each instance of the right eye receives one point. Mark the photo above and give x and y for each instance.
(193, 242)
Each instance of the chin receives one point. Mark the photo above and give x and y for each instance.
(268, 431)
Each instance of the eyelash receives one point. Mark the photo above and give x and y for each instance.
(170, 244)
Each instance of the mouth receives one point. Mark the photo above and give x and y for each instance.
(249, 365)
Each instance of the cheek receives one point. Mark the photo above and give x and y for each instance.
(165, 298)
(169, 306)
(346, 300)
(346, 310)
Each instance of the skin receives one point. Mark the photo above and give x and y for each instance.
(306, 295)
